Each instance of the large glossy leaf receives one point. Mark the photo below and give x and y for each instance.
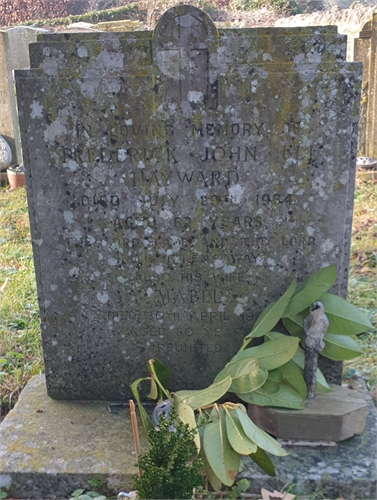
(310, 290)
(321, 384)
(340, 347)
(238, 368)
(275, 375)
(236, 435)
(223, 460)
(259, 437)
(285, 397)
(213, 479)
(261, 458)
(272, 314)
(250, 382)
(187, 416)
(294, 325)
(292, 374)
(271, 354)
(344, 318)
(245, 373)
(145, 418)
(204, 397)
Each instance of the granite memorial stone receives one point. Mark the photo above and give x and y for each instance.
(177, 181)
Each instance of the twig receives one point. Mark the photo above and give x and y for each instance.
(135, 433)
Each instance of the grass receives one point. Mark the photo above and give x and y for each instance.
(20, 345)
(363, 277)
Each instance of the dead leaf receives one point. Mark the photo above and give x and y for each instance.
(271, 495)
(2, 287)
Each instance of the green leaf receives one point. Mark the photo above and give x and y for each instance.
(76, 493)
(259, 437)
(223, 460)
(285, 397)
(147, 422)
(340, 347)
(344, 318)
(187, 416)
(212, 478)
(245, 373)
(153, 393)
(261, 458)
(271, 354)
(295, 324)
(321, 384)
(160, 374)
(292, 374)
(204, 397)
(272, 314)
(275, 375)
(310, 290)
(236, 435)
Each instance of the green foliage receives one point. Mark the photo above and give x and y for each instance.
(170, 468)
(95, 483)
(89, 495)
(289, 7)
(3, 494)
(270, 374)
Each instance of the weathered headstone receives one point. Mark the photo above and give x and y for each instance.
(13, 54)
(365, 51)
(178, 180)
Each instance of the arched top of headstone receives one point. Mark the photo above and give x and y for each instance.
(185, 26)
(185, 51)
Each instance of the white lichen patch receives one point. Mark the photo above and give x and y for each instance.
(36, 110)
(238, 310)
(194, 96)
(74, 272)
(159, 269)
(327, 245)
(103, 297)
(235, 193)
(68, 217)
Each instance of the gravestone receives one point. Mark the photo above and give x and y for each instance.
(177, 181)
(365, 51)
(14, 54)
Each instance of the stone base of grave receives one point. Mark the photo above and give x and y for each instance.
(50, 448)
(333, 416)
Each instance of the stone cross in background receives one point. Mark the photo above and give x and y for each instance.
(177, 181)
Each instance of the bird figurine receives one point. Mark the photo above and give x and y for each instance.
(316, 325)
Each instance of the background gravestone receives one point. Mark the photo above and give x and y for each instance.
(13, 54)
(177, 182)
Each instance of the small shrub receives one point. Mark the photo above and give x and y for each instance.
(170, 469)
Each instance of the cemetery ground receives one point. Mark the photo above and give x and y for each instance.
(20, 344)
